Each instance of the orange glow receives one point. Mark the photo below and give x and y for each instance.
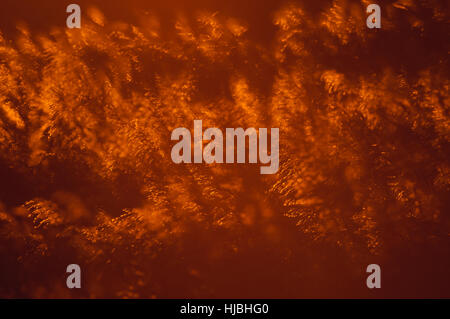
(86, 175)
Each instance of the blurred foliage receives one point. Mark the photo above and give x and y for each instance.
(85, 122)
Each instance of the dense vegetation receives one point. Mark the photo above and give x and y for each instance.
(86, 174)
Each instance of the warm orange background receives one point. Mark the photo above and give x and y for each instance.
(86, 175)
